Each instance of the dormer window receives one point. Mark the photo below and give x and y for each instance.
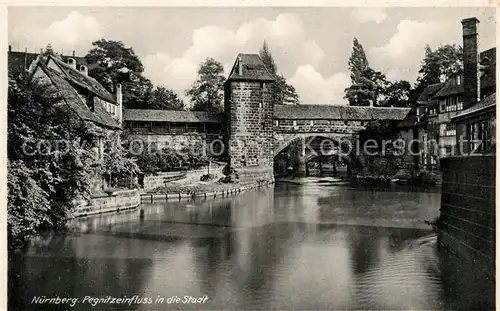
(89, 100)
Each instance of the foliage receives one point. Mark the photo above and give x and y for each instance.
(43, 182)
(111, 63)
(116, 162)
(267, 57)
(368, 86)
(282, 93)
(439, 64)
(288, 158)
(165, 99)
(358, 63)
(398, 94)
(206, 93)
(152, 160)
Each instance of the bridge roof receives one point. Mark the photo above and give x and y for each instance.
(174, 116)
(324, 112)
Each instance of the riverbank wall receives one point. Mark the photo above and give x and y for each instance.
(112, 202)
(205, 195)
(159, 179)
(467, 226)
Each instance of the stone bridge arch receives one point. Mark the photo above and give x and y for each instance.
(310, 151)
(281, 141)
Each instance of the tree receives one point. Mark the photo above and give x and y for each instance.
(111, 63)
(398, 94)
(439, 64)
(117, 162)
(368, 86)
(165, 99)
(267, 57)
(50, 162)
(358, 62)
(281, 91)
(206, 93)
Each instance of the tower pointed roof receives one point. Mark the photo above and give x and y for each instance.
(249, 67)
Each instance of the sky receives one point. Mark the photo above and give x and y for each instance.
(311, 46)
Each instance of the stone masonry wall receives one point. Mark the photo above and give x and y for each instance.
(467, 222)
(179, 141)
(250, 125)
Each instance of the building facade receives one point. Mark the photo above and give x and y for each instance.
(84, 96)
(441, 105)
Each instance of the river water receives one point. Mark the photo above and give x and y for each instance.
(314, 246)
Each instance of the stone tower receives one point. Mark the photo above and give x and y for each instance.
(249, 114)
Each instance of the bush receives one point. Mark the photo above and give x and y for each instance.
(43, 187)
(169, 159)
(207, 177)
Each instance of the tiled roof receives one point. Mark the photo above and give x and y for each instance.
(450, 87)
(410, 119)
(172, 116)
(429, 92)
(70, 96)
(253, 68)
(487, 102)
(84, 81)
(488, 79)
(431, 103)
(489, 59)
(20, 61)
(338, 112)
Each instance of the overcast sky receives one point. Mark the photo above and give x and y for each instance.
(311, 46)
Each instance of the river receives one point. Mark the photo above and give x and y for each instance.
(313, 246)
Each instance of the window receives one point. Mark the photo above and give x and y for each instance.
(460, 104)
(459, 79)
(89, 99)
(260, 105)
(451, 129)
(442, 104)
(311, 123)
(277, 122)
(295, 124)
(453, 103)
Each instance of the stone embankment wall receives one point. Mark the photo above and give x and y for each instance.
(152, 182)
(116, 201)
(467, 222)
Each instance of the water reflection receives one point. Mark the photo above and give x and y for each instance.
(291, 247)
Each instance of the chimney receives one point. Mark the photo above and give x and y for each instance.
(240, 66)
(10, 48)
(471, 64)
(72, 63)
(119, 100)
(84, 70)
(25, 58)
(73, 53)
